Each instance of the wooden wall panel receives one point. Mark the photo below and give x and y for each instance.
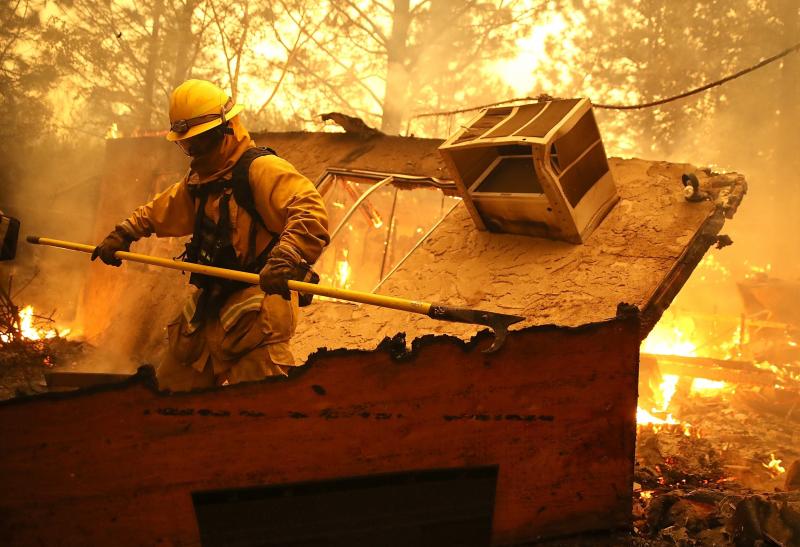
(554, 409)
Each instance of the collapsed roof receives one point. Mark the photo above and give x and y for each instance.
(641, 254)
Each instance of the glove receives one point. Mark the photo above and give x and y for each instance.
(283, 265)
(118, 240)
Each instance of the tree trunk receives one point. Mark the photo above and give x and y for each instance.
(239, 50)
(152, 63)
(396, 96)
(183, 40)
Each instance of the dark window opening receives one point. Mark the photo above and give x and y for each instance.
(584, 173)
(421, 508)
(512, 175)
(575, 142)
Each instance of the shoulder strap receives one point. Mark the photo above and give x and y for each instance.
(243, 194)
(242, 191)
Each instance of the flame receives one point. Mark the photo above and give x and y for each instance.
(680, 335)
(774, 466)
(704, 387)
(30, 331)
(113, 132)
(666, 390)
(643, 417)
(710, 267)
(343, 271)
(663, 396)
(520, 72)
(671, 336)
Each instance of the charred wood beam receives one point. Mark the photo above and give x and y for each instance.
(739, 372)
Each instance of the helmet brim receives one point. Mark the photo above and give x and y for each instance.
(172, 136)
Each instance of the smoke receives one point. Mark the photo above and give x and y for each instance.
(607, 51)
(751, 130)
(53, 192)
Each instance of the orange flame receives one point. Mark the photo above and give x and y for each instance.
(113, 132)
(704, 387)
(774, 466)
(30, 331)
(343, 271)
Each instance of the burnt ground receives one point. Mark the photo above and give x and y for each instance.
(709, 484)
(23, 364)
(714, 485)
(704, 485)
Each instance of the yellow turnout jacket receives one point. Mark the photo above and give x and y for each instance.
(289, 205)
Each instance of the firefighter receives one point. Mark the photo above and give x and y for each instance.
(246, 209)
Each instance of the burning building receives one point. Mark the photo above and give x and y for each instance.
(396, 425)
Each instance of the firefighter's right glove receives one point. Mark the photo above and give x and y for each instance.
(118, 240)
(283, 265)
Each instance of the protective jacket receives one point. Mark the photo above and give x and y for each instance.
(292, 210)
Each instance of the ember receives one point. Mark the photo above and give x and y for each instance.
(722, 393)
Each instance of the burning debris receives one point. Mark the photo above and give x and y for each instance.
(687, 494)
(718, 454)
(712, 429)
(30, 344)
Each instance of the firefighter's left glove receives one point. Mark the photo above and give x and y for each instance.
(283, 265)
(118, 240)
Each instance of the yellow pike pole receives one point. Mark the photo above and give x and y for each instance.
(498, 322)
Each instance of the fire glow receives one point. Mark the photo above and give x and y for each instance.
(774, 466)
(667, 338)
(28, 329)
(343, 272)
(670, 338)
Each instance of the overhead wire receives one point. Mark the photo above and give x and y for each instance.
(705, 87)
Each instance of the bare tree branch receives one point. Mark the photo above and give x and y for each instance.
(15, 36)
(240, 49)
(375, 33)
(348, 69)
(383, 6)
(416, 9)
(291, 52)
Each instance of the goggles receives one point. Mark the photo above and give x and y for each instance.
(182, 126)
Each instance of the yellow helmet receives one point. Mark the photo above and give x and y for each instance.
(197, 106)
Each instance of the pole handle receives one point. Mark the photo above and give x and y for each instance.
(498, 322)
(401, 304)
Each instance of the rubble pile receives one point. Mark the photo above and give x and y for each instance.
(23, 365)
(732, 479)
